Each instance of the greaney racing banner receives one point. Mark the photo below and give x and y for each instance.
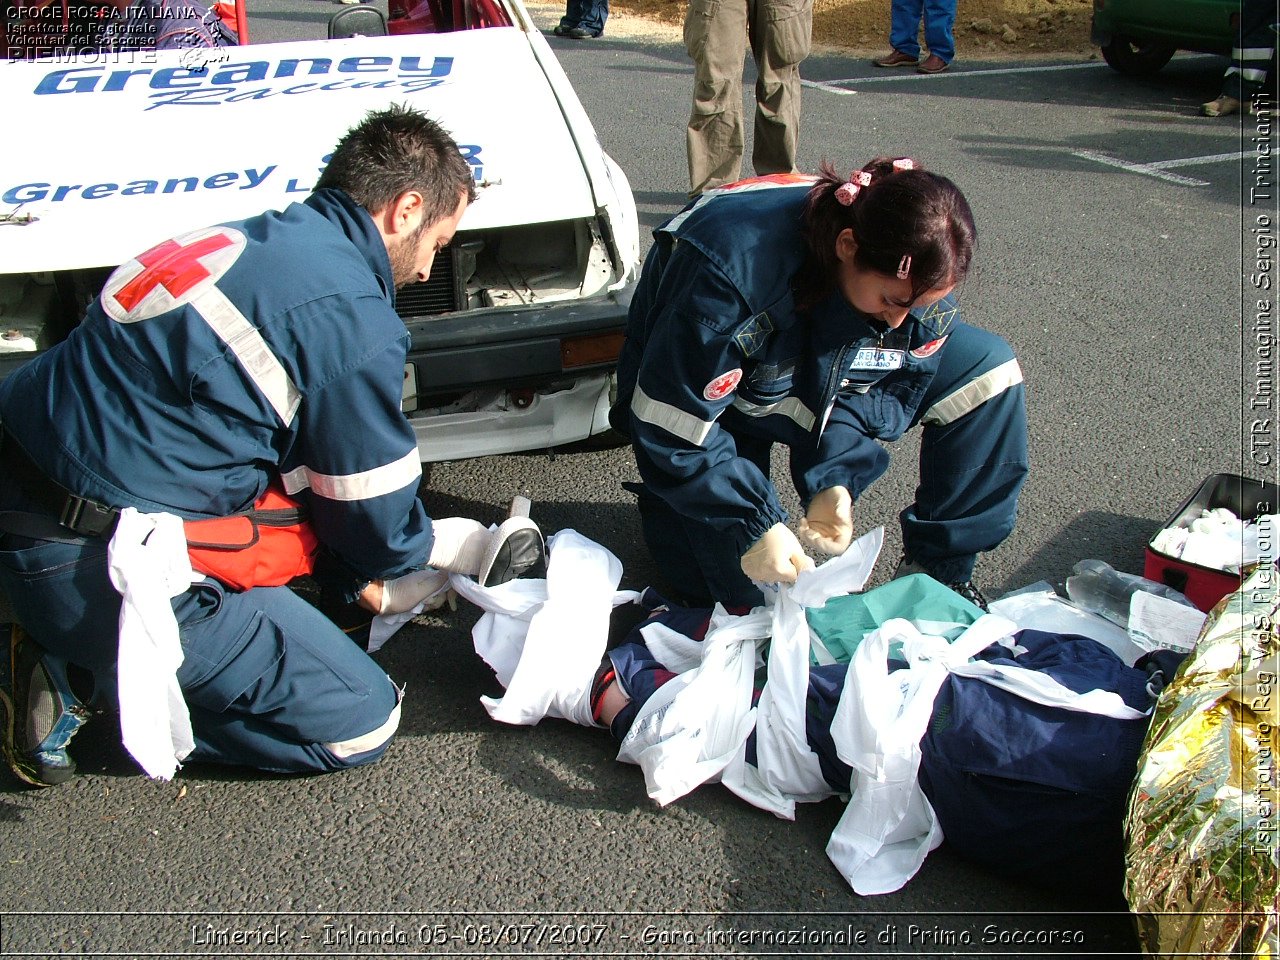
(107, 154)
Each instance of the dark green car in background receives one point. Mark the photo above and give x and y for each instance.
(1138, 37)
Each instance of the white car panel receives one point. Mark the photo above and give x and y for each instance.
(155, 147)
(490, 424)
(158, 143)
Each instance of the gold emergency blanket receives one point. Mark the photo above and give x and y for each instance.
(1202, 874)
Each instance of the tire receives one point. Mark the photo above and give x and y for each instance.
(1136, 58)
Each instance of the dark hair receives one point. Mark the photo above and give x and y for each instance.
(393, 151)
(900, 213)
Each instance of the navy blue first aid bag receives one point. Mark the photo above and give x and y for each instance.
(1035, 792)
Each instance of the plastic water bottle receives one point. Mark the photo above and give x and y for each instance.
(1103, 590)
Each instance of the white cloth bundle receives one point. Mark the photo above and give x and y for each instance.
(148, 564)
(544, 638)
(889, 827)
(694, 729)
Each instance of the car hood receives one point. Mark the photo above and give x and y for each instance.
(110, 155)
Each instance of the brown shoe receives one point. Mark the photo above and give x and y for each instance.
(932, 64)
(896, 59)
(1224, 106)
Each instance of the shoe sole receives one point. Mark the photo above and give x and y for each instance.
(27, 766)
(519, 551)
(7, 744)
(36, 775)
(890, 66)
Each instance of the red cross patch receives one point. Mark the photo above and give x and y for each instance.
(928, 349)
(170, 274)
(722, 385)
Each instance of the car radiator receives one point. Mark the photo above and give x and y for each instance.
(442, 292)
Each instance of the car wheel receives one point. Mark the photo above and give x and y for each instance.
(1136, 58)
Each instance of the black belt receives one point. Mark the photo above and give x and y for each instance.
(86, 517)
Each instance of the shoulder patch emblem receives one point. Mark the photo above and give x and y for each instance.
(753, 334)
(723, 385)
(170, 274)
(928, 349)
(938, 317)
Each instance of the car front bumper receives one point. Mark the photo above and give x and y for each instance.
(496, 423)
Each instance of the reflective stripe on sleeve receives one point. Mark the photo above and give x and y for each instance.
(1252, 74)
(791, 408)
(357, 486)
(255, 357)
(368, 741)
(973, 394)
(671, 419)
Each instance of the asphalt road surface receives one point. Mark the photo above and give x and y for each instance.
(1111, 224)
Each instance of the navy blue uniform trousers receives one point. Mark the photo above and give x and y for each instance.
(270, 681)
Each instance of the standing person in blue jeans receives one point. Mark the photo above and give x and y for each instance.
(583, 19)
(904, 35)
(817, 313)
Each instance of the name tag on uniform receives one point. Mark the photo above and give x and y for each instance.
(877, 358)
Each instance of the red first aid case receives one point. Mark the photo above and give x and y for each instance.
(1205, 586)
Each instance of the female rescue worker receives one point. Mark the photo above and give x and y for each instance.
(817, 312)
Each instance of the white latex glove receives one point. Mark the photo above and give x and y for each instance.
(459, 545)
(404, 593)
(828, 524)
(777, 557)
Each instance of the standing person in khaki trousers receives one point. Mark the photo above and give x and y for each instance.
(715, 35)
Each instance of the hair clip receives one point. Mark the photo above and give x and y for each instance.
(906, 163)
(846, 192)
(904, 267)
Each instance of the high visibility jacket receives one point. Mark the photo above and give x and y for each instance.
(719, 362)
(231, 355)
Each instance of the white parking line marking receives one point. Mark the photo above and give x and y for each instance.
(831, 86)
(1158, 168)
(1193, 161)
(834, 86)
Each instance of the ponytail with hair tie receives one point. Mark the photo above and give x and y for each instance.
(847, 192)
(910, 224)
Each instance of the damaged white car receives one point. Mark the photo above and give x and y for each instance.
(516, 333)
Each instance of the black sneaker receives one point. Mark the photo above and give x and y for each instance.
(969, 590)
(41, 714)
(966, 588)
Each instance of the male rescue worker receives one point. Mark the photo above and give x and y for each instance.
(259, 352)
